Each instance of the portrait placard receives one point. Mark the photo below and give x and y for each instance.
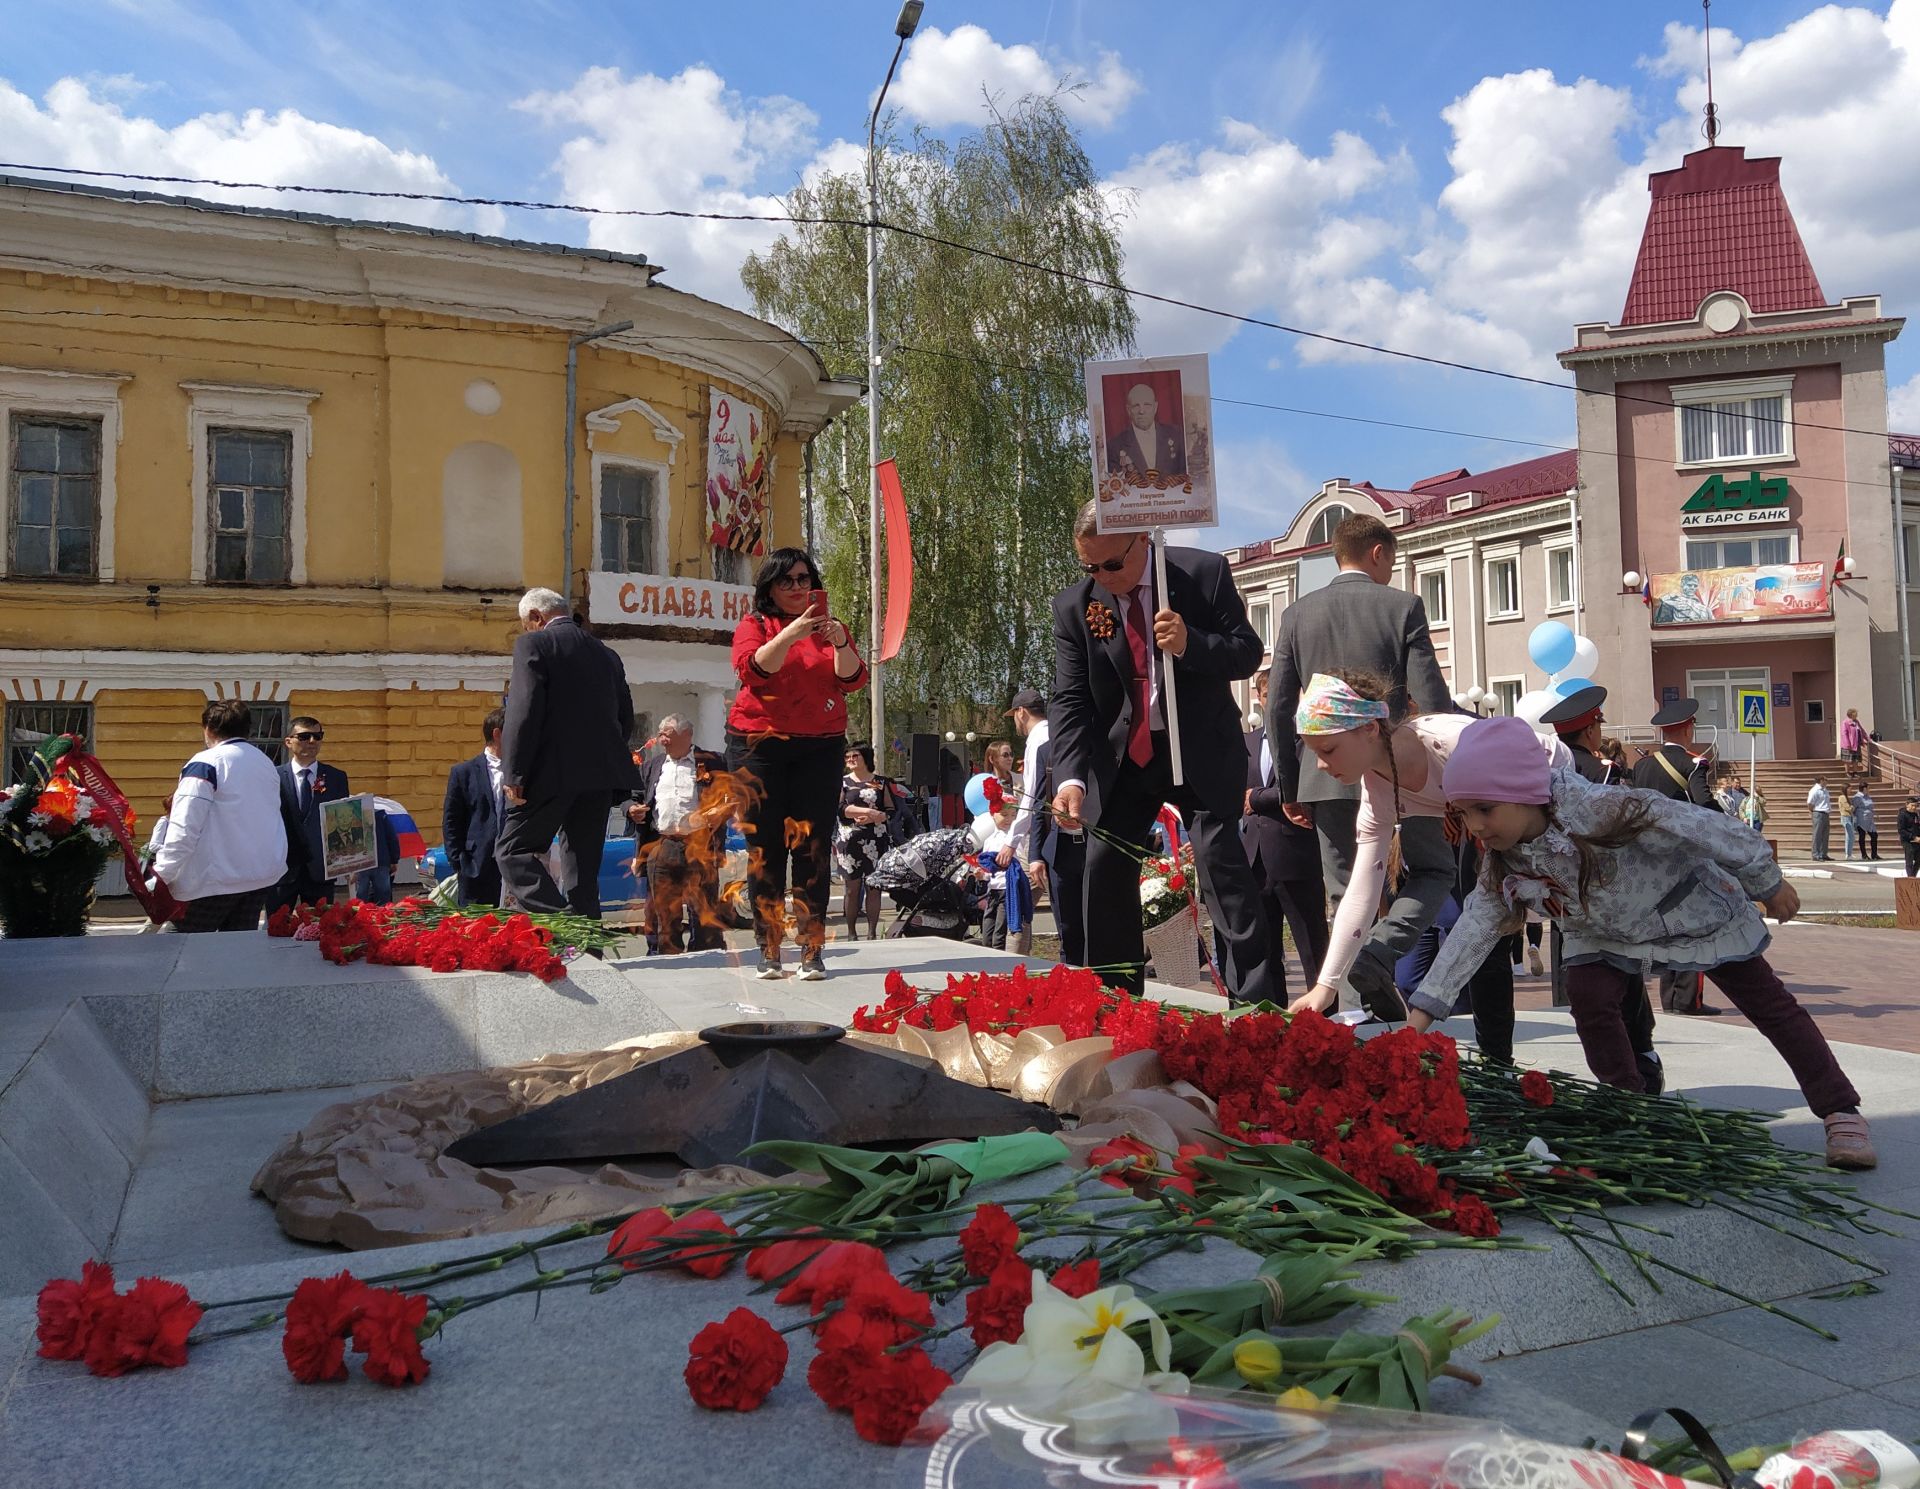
(1151, 421)
(349, 844)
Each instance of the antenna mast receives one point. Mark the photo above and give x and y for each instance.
(1711, 129)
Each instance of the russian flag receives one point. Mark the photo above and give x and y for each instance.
(412, 845)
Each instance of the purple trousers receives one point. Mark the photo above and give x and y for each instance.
(1598, 991)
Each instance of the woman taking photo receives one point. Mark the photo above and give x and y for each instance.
(787, 738)
(865, 831)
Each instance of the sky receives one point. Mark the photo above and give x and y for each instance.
(1466, 181)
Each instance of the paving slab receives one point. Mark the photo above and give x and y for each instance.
(79, 1057)
(38, 1238)
(49, 1129)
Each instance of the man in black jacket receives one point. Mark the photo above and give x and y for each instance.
(679, 818)
(1909, 826)
(566, 757)
(1115, 643)
(470, 817)
(1285, 859)
(305, 782)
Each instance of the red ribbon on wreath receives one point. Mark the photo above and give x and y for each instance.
(92, 776)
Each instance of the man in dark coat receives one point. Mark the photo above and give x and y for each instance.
(471, 815)
(1116, 642)
(1285, 859)
(305, 782)
(1677, 773)
(679, 824)
(567, 756)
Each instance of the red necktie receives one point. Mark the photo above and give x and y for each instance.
(1140, 734)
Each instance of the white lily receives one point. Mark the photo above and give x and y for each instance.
(1066, 1340)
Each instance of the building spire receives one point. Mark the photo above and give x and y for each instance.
(1711, 129)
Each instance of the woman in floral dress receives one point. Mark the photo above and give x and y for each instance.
(863, 833)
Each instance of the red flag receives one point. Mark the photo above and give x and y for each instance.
(899, 560)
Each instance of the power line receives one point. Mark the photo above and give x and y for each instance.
(1092, 281)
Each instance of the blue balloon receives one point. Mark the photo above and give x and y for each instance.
(975, 795)
(1568, 686)
(1551, 646)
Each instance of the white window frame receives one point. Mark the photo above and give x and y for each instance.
(85, 395)
(1572, 602)
(234, 406)
(662, 497)
(1510, 555)
(1444, 573)
(1693, 394)
(1740, 535)
(1263, 627)
(1494, 684)
(1345, 512)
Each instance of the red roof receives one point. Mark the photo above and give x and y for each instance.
(1544, 475)
(1719, 222)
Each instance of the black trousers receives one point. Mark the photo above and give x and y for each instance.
(1066, 888)
(1300, 905)
(521, 852)
(794, 797)
(1115, 942)
(682, 896)
(482, 888)
(297, 889)
(1913, 859)
(224, 912)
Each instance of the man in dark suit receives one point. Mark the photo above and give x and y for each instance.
(1115, 645)
(1678, 774)
(679, 824)
(1356, 621)
(470, 817)
(305, 782)
(1146, 445)
(1285, 859)
(567, 757)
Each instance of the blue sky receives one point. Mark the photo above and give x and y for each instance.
(1466, 180)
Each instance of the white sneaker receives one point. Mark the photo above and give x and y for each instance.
(811, 969)
(769, 970)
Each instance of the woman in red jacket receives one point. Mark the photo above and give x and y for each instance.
(787, 733)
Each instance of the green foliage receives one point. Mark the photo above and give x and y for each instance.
(982, 402)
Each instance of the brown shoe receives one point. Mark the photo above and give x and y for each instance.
(1849, 1144)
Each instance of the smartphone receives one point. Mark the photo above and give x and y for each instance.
(818, 601)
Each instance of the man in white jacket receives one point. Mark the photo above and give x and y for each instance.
(226, 842)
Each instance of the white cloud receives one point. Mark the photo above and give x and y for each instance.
(83, 126)
(687, 141)
(1684, 50)
(948, 76)
(1903, 407)
(1260, 491)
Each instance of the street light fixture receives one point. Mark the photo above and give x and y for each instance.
(903, 28)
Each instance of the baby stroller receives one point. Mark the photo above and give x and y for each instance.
(930, 881)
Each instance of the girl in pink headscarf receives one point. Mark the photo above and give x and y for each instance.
(1634, 881)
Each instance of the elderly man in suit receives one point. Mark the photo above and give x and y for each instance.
(470, 817)
(567, 757)
(1116, 642)
(1146, 445)
(305, 782)
(1285, 859)
(1356, 621)
(680, 838)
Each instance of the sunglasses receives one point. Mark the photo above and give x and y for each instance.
(1111, 565)
(306, 736)
(796, 581)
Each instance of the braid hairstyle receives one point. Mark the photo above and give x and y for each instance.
(1380, 688)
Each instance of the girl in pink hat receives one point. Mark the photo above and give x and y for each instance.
(1634, 881)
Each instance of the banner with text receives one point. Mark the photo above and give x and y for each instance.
(1770, 592)
(739, 473)
(1151, 419)
(656, 600)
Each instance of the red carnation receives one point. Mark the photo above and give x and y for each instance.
(147, 1326)
(997, 1312)
(877, 1312)
(703, 1230)
(830, 1276)
(1079, 1279)
(785, 1258)
(69, 1311)
(319, 1319)
(632, 1238)
(1536, 1088)
(989, 1239)
(388, 1333)
(1129, 1151)
(732, 1365)
(894, 1393)
(834, 1375)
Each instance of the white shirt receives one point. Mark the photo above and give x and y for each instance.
(224, 833)
(1022, 830)
(494, 770)
(674, 794)
(1818, 799)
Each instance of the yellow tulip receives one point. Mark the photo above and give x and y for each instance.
(1257, 1360)
(1299, 1398)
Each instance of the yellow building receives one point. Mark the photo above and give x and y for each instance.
(313, 462)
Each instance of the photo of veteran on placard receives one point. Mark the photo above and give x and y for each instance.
(1152, 433)
(349, 842)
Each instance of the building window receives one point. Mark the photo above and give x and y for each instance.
(1506, 693)
(250, 495)
(1745, 552)
(1730, 421)
(1324, 524)
(629, 496)
(269, 729)
(1433, 595)
(1261, 618)
(30, 725)
(1503, 588)
(1910, 553)
(1560, 582)
(54, 497)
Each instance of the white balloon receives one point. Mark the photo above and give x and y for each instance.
(1586, 658)
(1572, 670)
(1530, 706)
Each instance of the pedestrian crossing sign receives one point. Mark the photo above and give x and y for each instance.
(1754, 711)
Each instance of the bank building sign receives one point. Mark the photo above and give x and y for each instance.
(1720, 502)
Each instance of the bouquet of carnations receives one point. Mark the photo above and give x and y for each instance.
(1166, 889)
(424, 933)
(55, 838)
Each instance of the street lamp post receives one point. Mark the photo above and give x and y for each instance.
(903, 28)
(574, 343)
